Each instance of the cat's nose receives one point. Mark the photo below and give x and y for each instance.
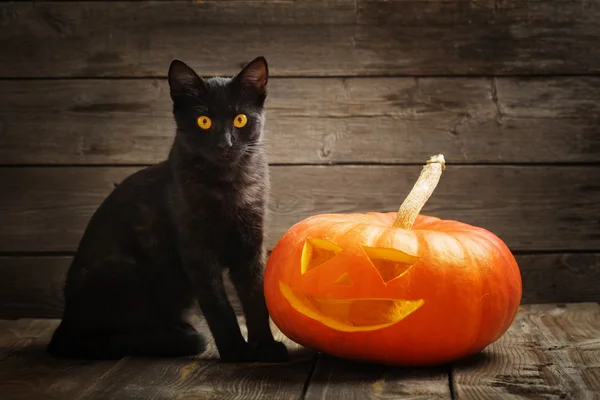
(225, 142)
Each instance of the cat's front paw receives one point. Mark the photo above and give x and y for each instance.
(239, 353)
(270, 352)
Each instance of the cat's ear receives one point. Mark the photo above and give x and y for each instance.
(255, 75)
(183, 81)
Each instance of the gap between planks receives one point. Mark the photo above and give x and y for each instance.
(129, 122)
(32, 284)
(551, 350)
(44, 210)
(31, 373)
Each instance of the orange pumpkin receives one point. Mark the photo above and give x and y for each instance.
(393, 288)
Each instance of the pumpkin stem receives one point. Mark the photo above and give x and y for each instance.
(420, 193)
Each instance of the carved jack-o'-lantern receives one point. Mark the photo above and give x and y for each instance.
(394, 288)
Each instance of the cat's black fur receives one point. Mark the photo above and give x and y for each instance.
(159, 243)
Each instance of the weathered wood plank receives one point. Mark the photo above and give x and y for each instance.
(32, 286)
(530, 208)
(571, 338)
(551, 351)
(425, 12)
(20, 333)
(335, 378)
(560, 278)
(299, 38)
(548, 98)
(389, 120)
(31, 373)
(463, 12)
(204, 377)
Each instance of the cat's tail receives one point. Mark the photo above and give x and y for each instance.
(174, 342)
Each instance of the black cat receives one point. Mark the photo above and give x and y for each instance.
(159, 243)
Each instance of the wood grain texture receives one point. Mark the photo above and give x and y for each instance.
(466, 12)
(551, 351)
(560, 278)
(31, 373)
(204, 377)
(329, 120)
(334, 378)
(31, 287)
(571, 340)
(338, 38)
(530, 208)
(15, 334)
(426, 12)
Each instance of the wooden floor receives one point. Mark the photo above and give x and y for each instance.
(552, 351)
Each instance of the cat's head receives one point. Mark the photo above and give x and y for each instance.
(219, 119)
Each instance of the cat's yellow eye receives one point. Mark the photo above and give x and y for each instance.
(204, 122)
(240, 121)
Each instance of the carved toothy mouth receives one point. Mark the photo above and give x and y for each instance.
(351, 315)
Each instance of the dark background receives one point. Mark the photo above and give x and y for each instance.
(362, 92)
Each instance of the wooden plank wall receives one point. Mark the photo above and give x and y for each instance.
(362, 92)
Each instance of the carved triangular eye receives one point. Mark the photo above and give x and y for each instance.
(390, 263)
(316, 252)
